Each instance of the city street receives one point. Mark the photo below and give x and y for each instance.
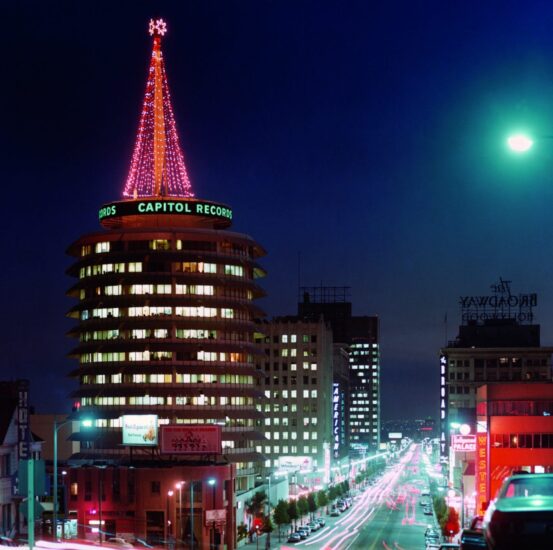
(385, 515)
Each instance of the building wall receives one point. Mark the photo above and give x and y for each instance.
(136, 502)
(521, 436)
(297, 384)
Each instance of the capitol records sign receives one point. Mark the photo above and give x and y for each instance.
(187, 440)
(501, 304)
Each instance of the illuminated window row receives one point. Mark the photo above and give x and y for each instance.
(283, 407)
(152, 311)
(200, 400)
(166, 244)
(277, 449)
(147, 355)
(102, 269)
(143, 333)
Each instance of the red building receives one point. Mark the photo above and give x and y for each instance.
(155, 503)
(515, 432)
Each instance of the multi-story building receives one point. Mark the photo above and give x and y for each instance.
(515, 429)
(165, 326)
(359, 335)
(494, 351)
(298, 387)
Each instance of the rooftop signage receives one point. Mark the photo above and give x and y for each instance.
(501, 304)
(171, 206)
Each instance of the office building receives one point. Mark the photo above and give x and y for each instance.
(298, 388)
(359, 336)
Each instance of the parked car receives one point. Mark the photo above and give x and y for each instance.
(301, 533)
(448, 545)
(433, 537)
(321, 521)
(314, 526)
(294, 537)
(473, 537)
(521, 516)
(428, 511)
(335, 513)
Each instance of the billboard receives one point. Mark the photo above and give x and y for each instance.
(295, 462)
(463, 443)
(186, 439)
(395, 435)
(140, 430)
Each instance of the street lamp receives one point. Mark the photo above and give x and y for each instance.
(212, 481)
(191, 515)
(168, 521)
(57, 427)
(179, 516)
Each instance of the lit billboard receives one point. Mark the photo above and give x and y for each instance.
(140, 430)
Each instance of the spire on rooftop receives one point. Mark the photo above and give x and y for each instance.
(157, 166)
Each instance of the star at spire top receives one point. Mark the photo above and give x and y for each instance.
(157, 165)
(157, 27)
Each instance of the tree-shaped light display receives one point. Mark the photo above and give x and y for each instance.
(157, 166)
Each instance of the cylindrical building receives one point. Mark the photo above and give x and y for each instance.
(165, 312)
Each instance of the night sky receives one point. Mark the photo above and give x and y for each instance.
(367, 137)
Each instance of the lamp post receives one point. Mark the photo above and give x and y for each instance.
(57, 427)
(168, 521)
(179, 516)
(269, 514)
(212, 481)
(191, 515)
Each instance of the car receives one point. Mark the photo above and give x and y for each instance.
(306, 528)
(321, 521)
(294, 537)
(119, 542)
(473, 537)
(521, 515)
(428, 511)
(314, 526)
(335, 513)
(301, 533)
(432, 537)
(448, 545)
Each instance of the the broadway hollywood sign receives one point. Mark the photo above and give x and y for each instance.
(502, 304)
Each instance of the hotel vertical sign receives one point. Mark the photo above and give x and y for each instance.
(444, 428)
(23, 421)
